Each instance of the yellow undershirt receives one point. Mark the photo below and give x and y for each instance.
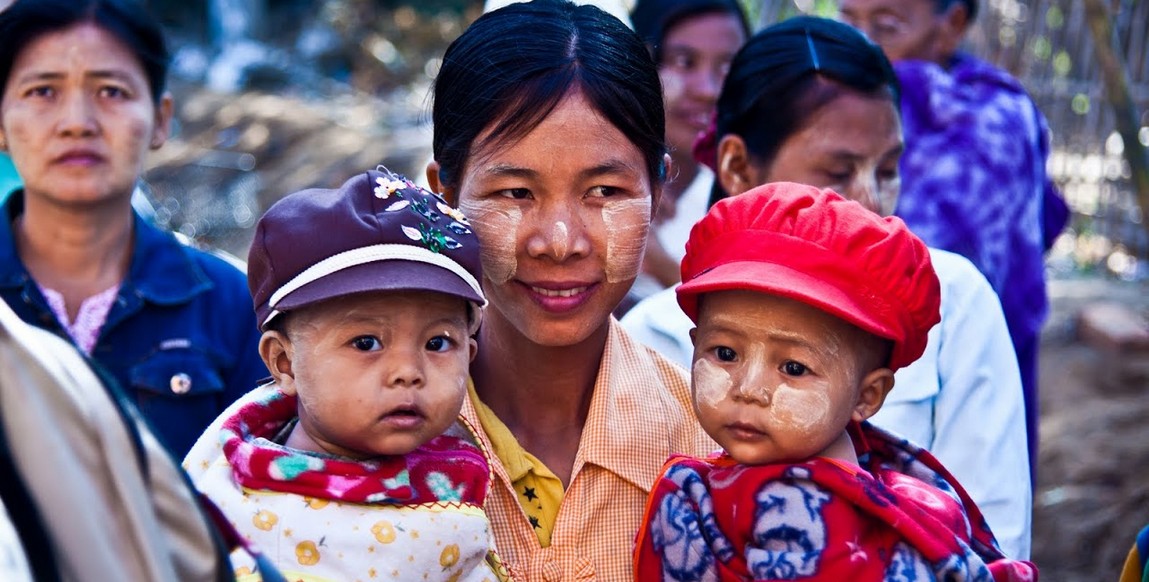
(539, 491)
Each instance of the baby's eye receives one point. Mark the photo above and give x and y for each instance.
(838, 176)
(725, 354)
(366, 343)
(439, 343)
(792, 368)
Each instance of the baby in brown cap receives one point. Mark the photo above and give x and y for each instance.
(368, 296)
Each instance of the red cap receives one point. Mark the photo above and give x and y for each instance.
(816, 247)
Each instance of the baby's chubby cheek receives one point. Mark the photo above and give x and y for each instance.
(710, 383)
(627, 223)
(800, 410)
(498, 232)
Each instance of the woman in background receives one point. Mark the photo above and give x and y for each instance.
(693, 42)
(83, 102)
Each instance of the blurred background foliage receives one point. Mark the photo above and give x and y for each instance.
(278, 95)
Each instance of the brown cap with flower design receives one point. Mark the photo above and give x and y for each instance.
(377, 232)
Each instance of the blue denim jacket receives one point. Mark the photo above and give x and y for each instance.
(181, 337)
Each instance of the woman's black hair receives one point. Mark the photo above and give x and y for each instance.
(513, 66)
(970, 7)
(788, 71)
(653, 19)
(129, 21)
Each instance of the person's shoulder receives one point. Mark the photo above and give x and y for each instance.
(960, 279)
(648, 367)
(217, 263)
(657, 321)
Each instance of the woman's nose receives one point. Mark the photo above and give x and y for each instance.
(864, 190)
(706, 83)
(559, 233)
(77, 117)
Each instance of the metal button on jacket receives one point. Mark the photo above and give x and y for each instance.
(181, 383)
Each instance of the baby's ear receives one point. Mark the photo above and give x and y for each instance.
(276, 350)
(872, 393)
(473, 348)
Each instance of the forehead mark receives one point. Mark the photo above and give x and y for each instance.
(627, 224)
(498, 231)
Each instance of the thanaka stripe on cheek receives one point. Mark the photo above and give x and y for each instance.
(710, 383)
(498, 232)
(627, 224)
(801, 410)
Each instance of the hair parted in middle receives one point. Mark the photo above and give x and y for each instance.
(511, 68)
(784, 74)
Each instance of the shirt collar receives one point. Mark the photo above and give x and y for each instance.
(161, 269)
(629, 393)
(500, 440)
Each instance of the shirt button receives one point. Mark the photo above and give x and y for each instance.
(181, 383)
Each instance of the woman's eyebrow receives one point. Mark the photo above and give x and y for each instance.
(607, 168)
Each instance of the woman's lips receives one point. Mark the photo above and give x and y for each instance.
(560, 292)
(559, 297)
(79, 158)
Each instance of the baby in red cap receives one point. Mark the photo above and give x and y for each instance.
(352, 462)
(805, 304)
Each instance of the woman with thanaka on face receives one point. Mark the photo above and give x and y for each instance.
(833, 123)
(974, 175)
(806, 303)
(83, 102)
(693, 42)
(549, 131)
(352, 460)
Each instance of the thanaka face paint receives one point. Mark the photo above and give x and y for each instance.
(851, 145)
(497, 228)
(562, 215)
(710, 384)
(561, 237)
(627, 226)
(774, 379)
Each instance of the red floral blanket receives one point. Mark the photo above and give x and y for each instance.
(445, 469)
(904, 518)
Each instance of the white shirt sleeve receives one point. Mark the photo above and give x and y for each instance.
(659, 323)
(963, 401)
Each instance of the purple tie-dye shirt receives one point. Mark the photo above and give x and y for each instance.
(974, 183)
(973, 176)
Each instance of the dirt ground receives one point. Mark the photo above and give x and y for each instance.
(1094, 449)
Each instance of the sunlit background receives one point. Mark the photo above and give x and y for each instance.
(278, 95)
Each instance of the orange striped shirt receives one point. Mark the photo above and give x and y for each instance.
(640, 414)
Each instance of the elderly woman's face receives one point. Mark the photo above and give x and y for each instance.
(78, 117)
(562, 215)
(905, 29)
